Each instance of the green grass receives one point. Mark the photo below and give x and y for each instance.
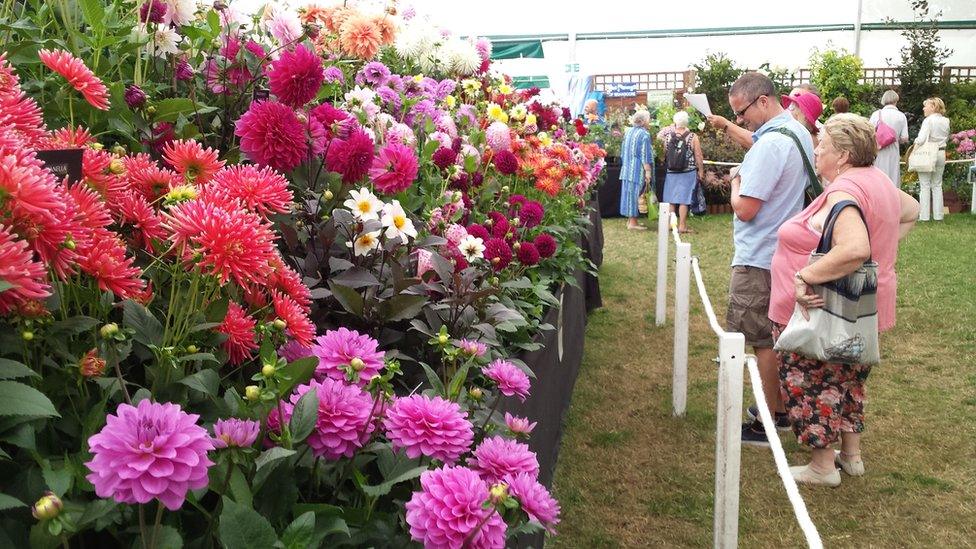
(630, 475)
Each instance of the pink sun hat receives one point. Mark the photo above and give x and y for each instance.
(808, 103)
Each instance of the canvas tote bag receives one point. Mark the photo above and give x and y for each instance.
(922, 157)
(845, 329)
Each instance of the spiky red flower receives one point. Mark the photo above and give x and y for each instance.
(297, 324)
(152, 181)
(289, 282)
(91, 211)
(71, 137)
(78, 75)
(196, 163)
(146, 225)
(351, 157)
(271, 134)
(105, 261)
(238, 326)
(27, 278)
(296, 76)
(261, 190)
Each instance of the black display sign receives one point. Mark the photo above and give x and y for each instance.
(63, 163)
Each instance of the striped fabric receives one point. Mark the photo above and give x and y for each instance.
(635, 151)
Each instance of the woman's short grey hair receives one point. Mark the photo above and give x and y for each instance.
(889, 97)
(681, 119)
(640, 118)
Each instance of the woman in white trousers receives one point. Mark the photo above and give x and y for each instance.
(935, 129)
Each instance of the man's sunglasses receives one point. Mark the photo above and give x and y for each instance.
(740, 114)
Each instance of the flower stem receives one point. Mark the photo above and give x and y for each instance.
(491, 412)
(159, 519)
(142, 525)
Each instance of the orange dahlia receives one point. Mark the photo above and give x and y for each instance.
(360, 37)
(78, 75)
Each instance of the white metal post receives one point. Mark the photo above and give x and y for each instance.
(663, 227)
(682, 287)
(728, 438)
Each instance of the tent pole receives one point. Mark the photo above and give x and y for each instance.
(857, 30)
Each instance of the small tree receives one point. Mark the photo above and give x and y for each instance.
(715, 75)
(922, 60)
(835, 73)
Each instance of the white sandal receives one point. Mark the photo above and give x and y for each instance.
(852, 468)
(803, 474)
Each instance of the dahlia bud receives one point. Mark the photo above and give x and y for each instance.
(192, 349)
(252, 392)
(183, 71)
(69, 242)
(91, 365)
(328, 195)
(48, 507)
(119, 150)
(219, 6)
(515, 221)
(116, 166)
(135, 98)
(516, 246)
(442, 339)
(109, 330)
(457, 196)
(357, 364)
(280, 324)
(268, 370)
(475, 393)
(498, 493)
(505, 189)
(151, 110)
(27, 335)
(97, 146)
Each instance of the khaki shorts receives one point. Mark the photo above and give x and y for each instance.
(749, 306)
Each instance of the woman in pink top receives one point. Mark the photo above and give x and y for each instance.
(825, 400)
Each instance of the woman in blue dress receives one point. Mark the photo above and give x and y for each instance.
(683, 155)
(637, 166)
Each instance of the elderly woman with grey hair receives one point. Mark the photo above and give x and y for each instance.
(889, 156)
(636, 166)
(683, 155)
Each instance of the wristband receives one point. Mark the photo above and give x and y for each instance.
(799, 277)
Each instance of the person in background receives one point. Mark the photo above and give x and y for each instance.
(590, 112)
(889, 157)
(637, 167)
(683, 155)
(840, 105)
(805, 108)
(826, 400)
(767, 192)
(742, 136)
(935, 129)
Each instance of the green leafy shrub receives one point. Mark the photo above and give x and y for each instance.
(921, 60)
(836, 72)
(715, 75)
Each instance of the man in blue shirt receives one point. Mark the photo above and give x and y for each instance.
(767, 191)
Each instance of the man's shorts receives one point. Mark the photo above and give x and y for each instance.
(749, 305)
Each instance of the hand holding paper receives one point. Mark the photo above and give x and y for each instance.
(700, 102)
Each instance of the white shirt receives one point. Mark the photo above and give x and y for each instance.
(935, 129)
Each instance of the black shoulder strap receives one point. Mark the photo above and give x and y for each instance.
(813, 188)
(827, 237)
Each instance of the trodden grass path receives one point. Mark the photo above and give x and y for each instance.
(630, 475)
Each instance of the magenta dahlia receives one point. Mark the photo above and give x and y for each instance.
(433, 427)
(296, 76)
(149, 451)
(351, 157)
(449, 510)
(531, 213)
(546, 245)
(527, 254)
(496, 457)
(444, 157)
(235, 433)
(498, 253)
(478, 231)
(506, 162)
(394, 168)
(342, 348)
(534, 499)
(511, 380)
(271, 134)
(344, 419)
(499, 224)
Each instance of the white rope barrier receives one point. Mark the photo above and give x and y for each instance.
(782, 466)
(732, 359)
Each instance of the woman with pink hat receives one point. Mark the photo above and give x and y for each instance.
(806, 109)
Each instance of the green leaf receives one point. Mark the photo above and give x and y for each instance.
(74, 325)
(356, 277)
(169, 538)
(4, 285)
(433, 379)
(272, 455)
(11, 369)
(148, 330)
(387, 485)
(94, 13)
(59, 481)
(17, 399)
(242, 527)
(239, 488)
(10, 502)
(205, 381)
(218, 310)
(454, 387)
(403, 306)
(296, 373)
(208, 357)
(299, 533)
(348, 298)
(305, 415)
(168, 110)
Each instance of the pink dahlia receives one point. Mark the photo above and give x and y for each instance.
(145, 225)
(534, 499)
(337, 122)
(296, 76)
(235, 433)
(196, 163)
(343, 348)
(27, 278)
(344, 419)
(527, 254)
(285, 280)
(498, 253)
(351, 157)
(238, 326)
(519, 426)
(394, 169)
(449, 510)
(78, 75)
(496, 457)
(106, 262)
(297, 324)
(234, 244)
(433, 427)
(498, 137)
(546, 245)
(472, 348)
(510, 379)
(261, 190)
(271, 134)
(149, 451)
(506, 162)
(292, 351)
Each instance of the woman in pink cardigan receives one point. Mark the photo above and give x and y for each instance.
(825, 400)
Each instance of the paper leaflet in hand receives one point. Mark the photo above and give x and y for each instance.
(700, 102)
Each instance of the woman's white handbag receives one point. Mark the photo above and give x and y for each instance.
(845, 329)
(922, 157)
